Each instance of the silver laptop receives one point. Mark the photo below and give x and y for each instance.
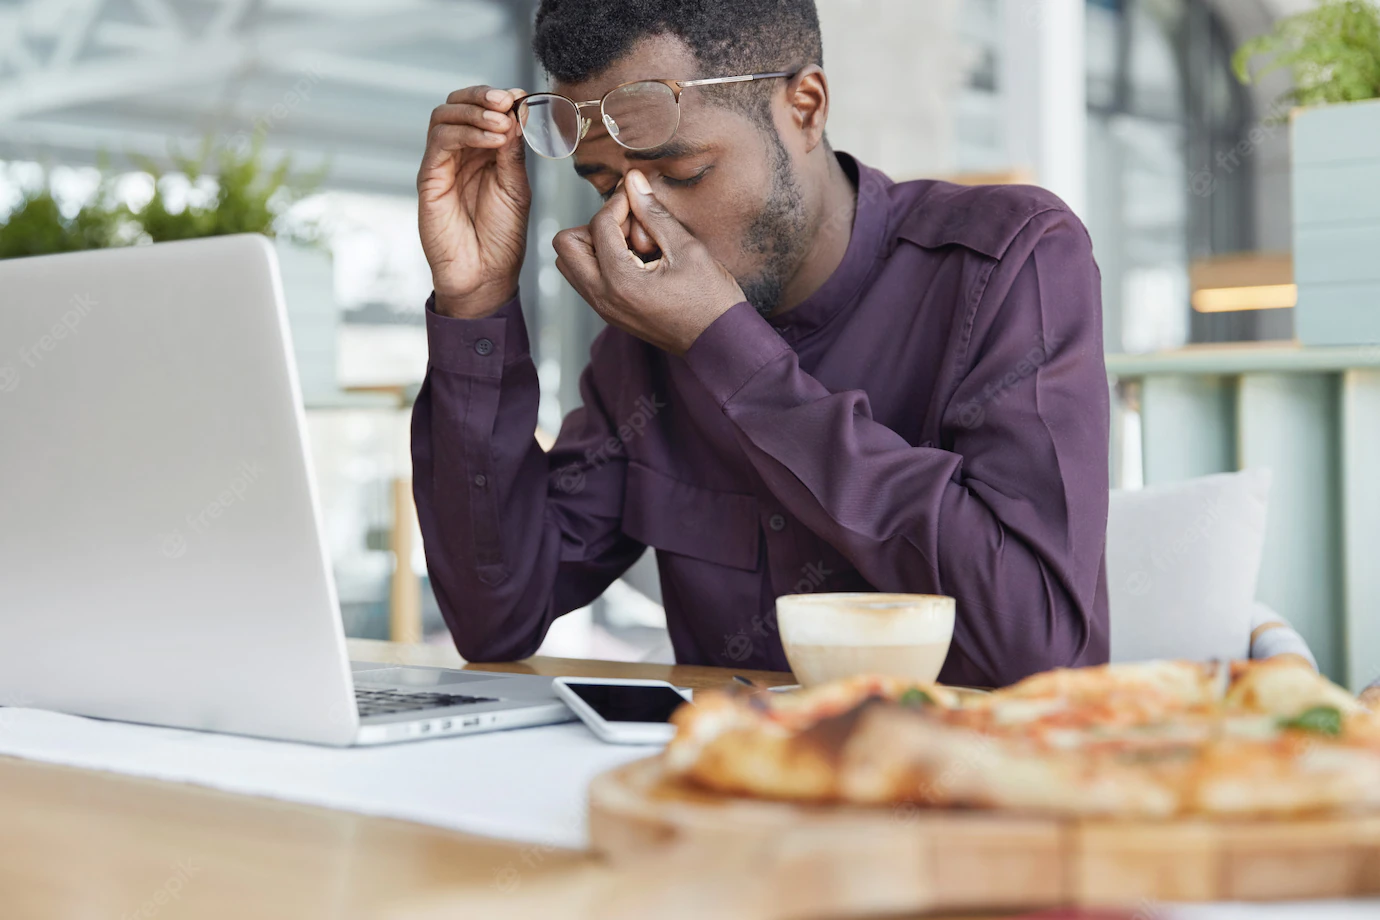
(161, 554)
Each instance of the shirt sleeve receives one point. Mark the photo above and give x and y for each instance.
(1008, 514)
(514, 536)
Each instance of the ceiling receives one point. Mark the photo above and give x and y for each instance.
(349, 82)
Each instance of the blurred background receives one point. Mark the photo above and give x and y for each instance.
(307, 118)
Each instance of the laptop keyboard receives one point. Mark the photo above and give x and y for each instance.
(388, 702)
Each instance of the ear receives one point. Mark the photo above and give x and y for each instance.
(807, 99)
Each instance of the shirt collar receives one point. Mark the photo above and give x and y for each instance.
(865, 246)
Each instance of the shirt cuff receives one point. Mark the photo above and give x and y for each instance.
(734, 348)
(477, 347)
(1282, 640)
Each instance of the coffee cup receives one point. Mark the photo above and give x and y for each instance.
(832, 636)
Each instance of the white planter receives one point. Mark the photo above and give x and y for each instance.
(313, 316)
(1336, 156)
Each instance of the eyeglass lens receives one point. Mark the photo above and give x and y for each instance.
(551, 124)
(639, 116)
(642, 115)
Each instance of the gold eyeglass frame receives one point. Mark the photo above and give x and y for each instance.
(677, 87)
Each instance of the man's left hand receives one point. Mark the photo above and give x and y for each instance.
(667, 302)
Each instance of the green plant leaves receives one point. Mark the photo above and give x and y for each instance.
(249, 198)
(1332, 52)
(36, 226)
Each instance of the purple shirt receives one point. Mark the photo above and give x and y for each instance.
(934, 419)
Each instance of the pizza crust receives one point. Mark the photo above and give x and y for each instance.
(1151, 740)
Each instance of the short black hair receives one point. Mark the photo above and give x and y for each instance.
(578, 39)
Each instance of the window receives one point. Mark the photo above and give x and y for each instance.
(1161, 102)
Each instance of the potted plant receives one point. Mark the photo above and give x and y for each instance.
(1333, 54)
(37, 226)
(249, 197)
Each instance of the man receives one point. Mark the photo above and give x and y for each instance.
(819, 380)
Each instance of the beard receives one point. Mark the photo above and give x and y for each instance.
(778, 234)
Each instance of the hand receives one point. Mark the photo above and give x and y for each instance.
(667, 302)
(473, 201)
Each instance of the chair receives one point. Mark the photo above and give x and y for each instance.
(1182, 565)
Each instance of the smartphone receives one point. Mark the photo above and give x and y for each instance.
(623, 711)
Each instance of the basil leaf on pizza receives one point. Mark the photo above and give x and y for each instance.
(1322, 720)
(915, 697)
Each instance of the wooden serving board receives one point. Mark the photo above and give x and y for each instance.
(854, 861)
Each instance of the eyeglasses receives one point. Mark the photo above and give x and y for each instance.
(639, 115)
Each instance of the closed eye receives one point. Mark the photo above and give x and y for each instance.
(690, 182)
(672, 181)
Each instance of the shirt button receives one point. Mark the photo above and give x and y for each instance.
(484, 347)
(777, 523)
(481, 480)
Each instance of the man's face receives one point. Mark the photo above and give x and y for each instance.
(726, 177)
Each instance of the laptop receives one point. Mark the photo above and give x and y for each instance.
(161, 549)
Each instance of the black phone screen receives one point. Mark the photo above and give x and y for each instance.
(622, 703)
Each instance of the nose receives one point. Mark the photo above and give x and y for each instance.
(641, 242)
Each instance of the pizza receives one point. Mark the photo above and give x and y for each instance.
(1149, 740)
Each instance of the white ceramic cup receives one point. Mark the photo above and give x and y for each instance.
(832, 636)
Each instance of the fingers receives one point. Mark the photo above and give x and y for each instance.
(457, 137)
(469, 118)
(480, 117)
(500, 100)
(444, 142)
(639, 240)
(482, 107)
(518, 94)
(512, 157)
(466, 113)
(576, 259)
(609, 230)
(667, 232)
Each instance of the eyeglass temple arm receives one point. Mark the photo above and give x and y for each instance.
(745, 78)
(579, 105)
